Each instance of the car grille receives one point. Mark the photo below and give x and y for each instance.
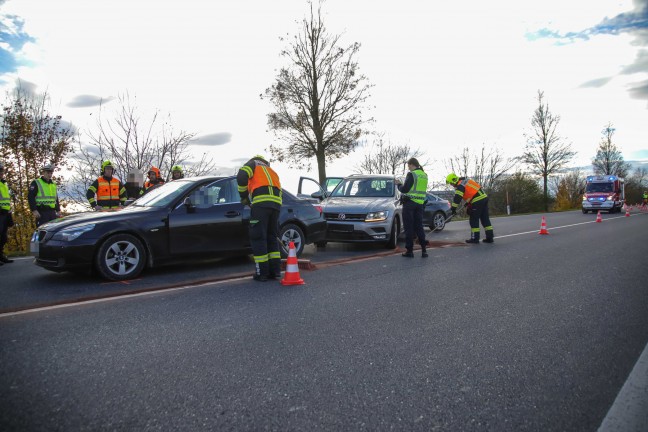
(348, 217)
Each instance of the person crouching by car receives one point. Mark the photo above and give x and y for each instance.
(260, 188)
(476, 200)
(413, 196)
(6, 219)
(43, 197)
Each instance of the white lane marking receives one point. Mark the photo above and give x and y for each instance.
(117, 297)
(563, 226)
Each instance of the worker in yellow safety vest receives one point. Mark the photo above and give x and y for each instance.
(43, 197)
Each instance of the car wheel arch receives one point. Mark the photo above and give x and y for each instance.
(138, 236)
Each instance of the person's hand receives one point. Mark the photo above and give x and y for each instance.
(36, 214)
(454, 211)
(399, 182)
(245, 201)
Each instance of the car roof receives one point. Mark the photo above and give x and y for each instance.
(373, 176)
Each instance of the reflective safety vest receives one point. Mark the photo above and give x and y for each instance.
(46, 195)
(5, 201)
(108, 190)
(473, 192)
(264, 185)
(419, 187)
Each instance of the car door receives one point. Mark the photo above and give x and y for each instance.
(210, 219)
(307, 186)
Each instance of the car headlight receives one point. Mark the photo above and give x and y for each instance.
(69, 234)
(584, 198)
(377, 216)
(610, 198)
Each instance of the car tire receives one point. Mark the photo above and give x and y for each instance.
(393, 235)
(438, 221)
(291, 232)
(121, 257)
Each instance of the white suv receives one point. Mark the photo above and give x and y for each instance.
(362, 208)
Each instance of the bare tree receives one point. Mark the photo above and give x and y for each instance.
(131, 143)
(485, 167)
(384, 157)
(546, 152)
(319, 99)
(608, 160)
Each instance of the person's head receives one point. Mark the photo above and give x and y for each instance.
(262, 158)
(154, 174)
(413, 164)
(452, 179)
(107, 168)
(47, 171)
(176, 172)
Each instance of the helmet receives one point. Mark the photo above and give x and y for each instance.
(154, 170)
(106, 164)
(176, 168)
(260, 157)
(452, 179)
(47, 167)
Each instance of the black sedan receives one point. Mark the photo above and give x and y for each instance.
(199, 216)
(437, 212)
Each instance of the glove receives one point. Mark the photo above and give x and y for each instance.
(245, 201)
(36, 214)
(454, 211)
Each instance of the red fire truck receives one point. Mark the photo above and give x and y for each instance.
(604, 193)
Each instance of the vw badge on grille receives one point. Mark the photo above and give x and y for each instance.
(341, 216)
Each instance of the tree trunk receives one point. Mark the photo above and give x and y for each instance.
(546, 197)
(321, 166)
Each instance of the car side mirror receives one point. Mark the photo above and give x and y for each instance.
(319, 195)
(189, 206)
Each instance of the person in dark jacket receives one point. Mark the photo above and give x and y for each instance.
(260, 188)
(43, 197)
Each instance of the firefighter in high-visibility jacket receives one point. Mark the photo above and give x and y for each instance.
(6, 219)
(43, 198)
(260, 188)
(413, 196)
(154, 179)
(476, 206)
(645, 198)
(109, 191)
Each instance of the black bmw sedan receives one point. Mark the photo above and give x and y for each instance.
(200, 216)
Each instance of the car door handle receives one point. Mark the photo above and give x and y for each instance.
(231, 214)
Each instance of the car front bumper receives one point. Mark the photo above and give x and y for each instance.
(61, 256)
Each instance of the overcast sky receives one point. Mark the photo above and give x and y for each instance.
(446, 74)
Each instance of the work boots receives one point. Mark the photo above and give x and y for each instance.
(489, 237)
(474, 238)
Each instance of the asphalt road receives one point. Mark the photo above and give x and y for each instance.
(533, 333)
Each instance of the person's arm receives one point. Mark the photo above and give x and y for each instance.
(31, 196)
(242, 178)
(90, 194)
(407, 186)
(458, 196)
(122, 194)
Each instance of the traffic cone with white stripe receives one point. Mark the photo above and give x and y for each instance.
(598, 217)
(543, 227)
(627, 211)
(291, 276)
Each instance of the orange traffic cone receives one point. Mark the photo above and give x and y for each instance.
(627, 212)
(543, 227)
(598, 217)
(291, 276)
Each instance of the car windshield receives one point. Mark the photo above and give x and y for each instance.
(165, 194)
(599, 187)
(365, 187)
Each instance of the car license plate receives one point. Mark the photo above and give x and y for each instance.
(340, 227)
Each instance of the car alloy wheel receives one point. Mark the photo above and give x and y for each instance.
(438, 221)
(121, 257)
(291, 233)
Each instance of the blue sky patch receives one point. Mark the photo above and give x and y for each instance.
(12, 34)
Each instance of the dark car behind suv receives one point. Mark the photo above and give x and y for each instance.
(185, 218)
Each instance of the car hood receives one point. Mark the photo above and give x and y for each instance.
(96, 217)
(358, 205)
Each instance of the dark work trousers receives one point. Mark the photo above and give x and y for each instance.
(479, 213)
(413, 224)
(46, 214)
(264, 226)
(4, 227)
